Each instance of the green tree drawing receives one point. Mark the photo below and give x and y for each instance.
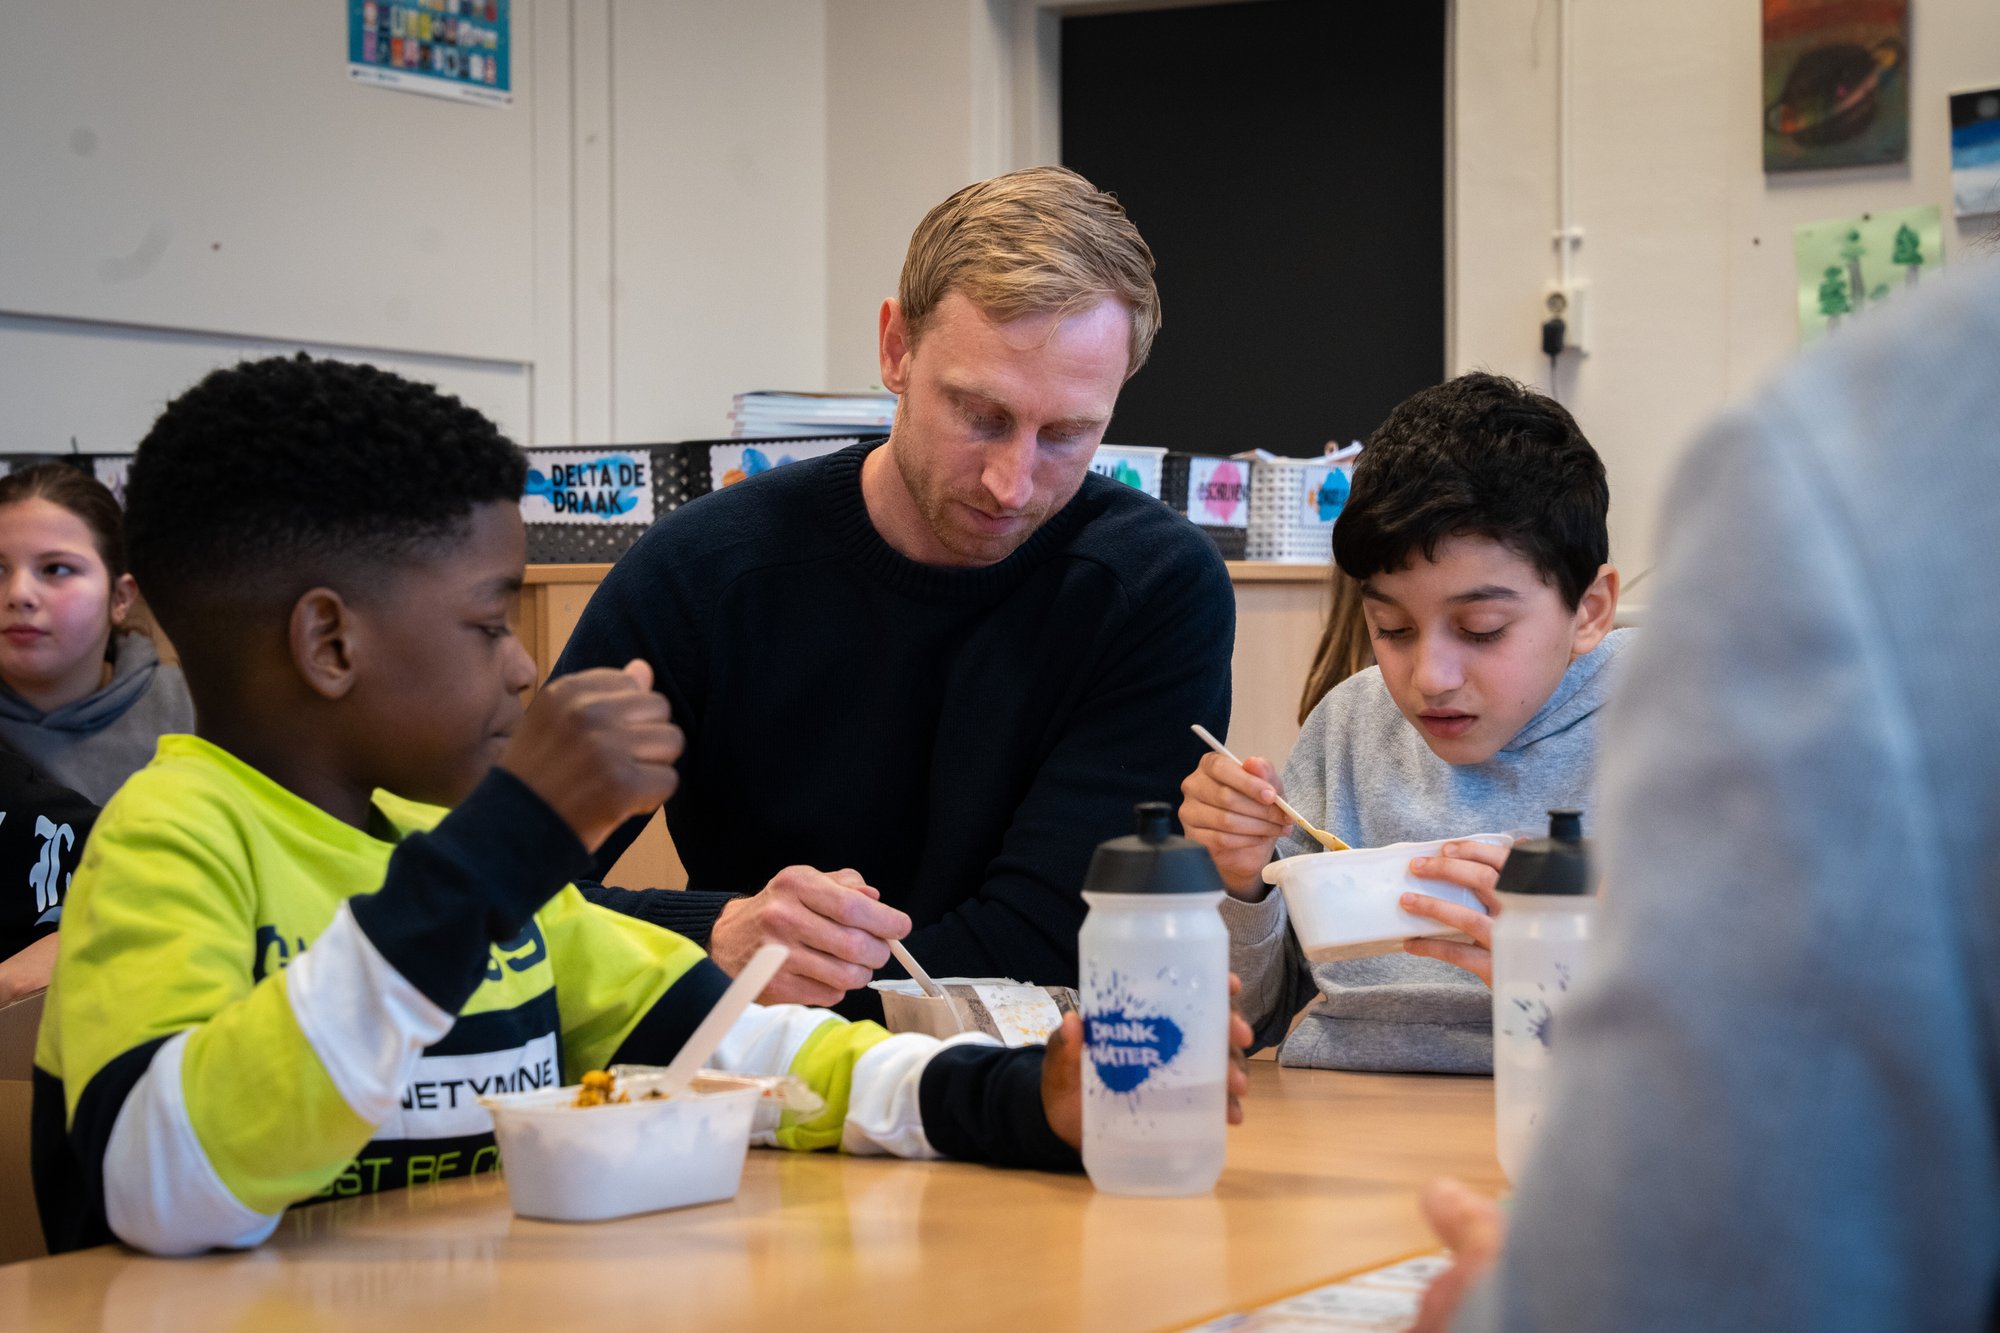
(1833, 297)
(1909, 253)
(1852, 250)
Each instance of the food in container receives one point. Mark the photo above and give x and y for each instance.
(571, 1163)
(1346, 904)
(1016, 1014)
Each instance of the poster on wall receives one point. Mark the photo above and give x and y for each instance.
(581, 486)
(1836, 83)
(1975, 153)
(442, 48)
(1849, 266)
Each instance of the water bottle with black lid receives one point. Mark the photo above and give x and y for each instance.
(1155, 997)
(1541, 951)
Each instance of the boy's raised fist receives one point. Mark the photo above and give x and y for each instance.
(599, 746)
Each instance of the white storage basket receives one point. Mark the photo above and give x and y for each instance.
(1293, 505)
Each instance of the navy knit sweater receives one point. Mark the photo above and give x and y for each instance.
(962, 737)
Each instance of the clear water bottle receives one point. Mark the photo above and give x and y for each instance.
(1541, 950)
(1155, 998)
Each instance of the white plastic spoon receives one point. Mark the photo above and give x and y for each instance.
(917, 973)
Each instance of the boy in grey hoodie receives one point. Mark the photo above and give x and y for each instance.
(1476, 530)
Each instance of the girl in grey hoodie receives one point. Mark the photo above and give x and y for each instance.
(82, 699)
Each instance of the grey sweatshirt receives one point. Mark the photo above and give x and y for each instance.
(1775, 1103)
(1362, 771)
(91, 746)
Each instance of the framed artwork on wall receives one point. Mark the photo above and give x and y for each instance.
(1836, 83)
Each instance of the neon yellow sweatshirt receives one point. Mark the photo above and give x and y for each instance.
(257, 1005)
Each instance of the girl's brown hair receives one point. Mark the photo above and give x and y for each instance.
(1344, 646)
(81, 494)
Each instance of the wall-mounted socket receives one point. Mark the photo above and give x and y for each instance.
(1571, 305)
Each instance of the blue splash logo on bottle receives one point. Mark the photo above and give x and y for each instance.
(1125, 1044)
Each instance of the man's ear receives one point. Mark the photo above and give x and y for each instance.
(1596, 611)
(893, 343)
(322, 634)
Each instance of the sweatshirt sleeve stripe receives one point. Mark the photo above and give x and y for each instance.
(885, 1104)
(161, 1192)
(473, 881)
(364, 1020)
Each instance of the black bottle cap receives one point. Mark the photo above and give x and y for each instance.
(1152, 860)
(1556, 865)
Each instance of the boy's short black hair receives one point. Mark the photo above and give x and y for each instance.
(1480, 455)
(272, 476)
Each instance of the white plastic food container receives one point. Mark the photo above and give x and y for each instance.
(1018, 1015)
(566, 1163)
(1345, 904)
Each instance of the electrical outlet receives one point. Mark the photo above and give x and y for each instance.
(1571, 305)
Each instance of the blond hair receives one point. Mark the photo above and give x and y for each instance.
(1034, 242)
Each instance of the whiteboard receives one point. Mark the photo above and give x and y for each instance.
(208, 165)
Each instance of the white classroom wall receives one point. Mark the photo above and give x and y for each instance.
(694, 197)
(1687, 244)
(640, 234)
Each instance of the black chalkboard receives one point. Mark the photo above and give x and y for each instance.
(1285, 159)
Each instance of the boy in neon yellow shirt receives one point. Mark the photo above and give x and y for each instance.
(279, 981)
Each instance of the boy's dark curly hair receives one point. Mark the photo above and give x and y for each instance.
(1480, 455)
(269, 477)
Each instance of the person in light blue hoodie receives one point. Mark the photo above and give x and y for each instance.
(1477, 532)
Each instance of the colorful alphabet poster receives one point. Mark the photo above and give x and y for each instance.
(731, 463)
(1135, 465)
(579, 486)
(1975, 152)
(443, 48)
(1849, 266)
(1219, 492)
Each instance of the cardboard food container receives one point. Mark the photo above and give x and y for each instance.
(1016, 1014)
(566, 1163)
(1345, 904)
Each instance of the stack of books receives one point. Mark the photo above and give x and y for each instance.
(766, 414)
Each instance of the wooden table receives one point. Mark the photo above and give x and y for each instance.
(1321, 1181)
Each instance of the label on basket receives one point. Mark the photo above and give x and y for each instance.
(731, 463)
(1219, 492)
(112, 470)
(1325, 496)
(582, 486)
(1137, 468)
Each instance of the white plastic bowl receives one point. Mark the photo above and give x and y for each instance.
(1345, 904)
(566, 1163)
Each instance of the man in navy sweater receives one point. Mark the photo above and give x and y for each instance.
(923, 677)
